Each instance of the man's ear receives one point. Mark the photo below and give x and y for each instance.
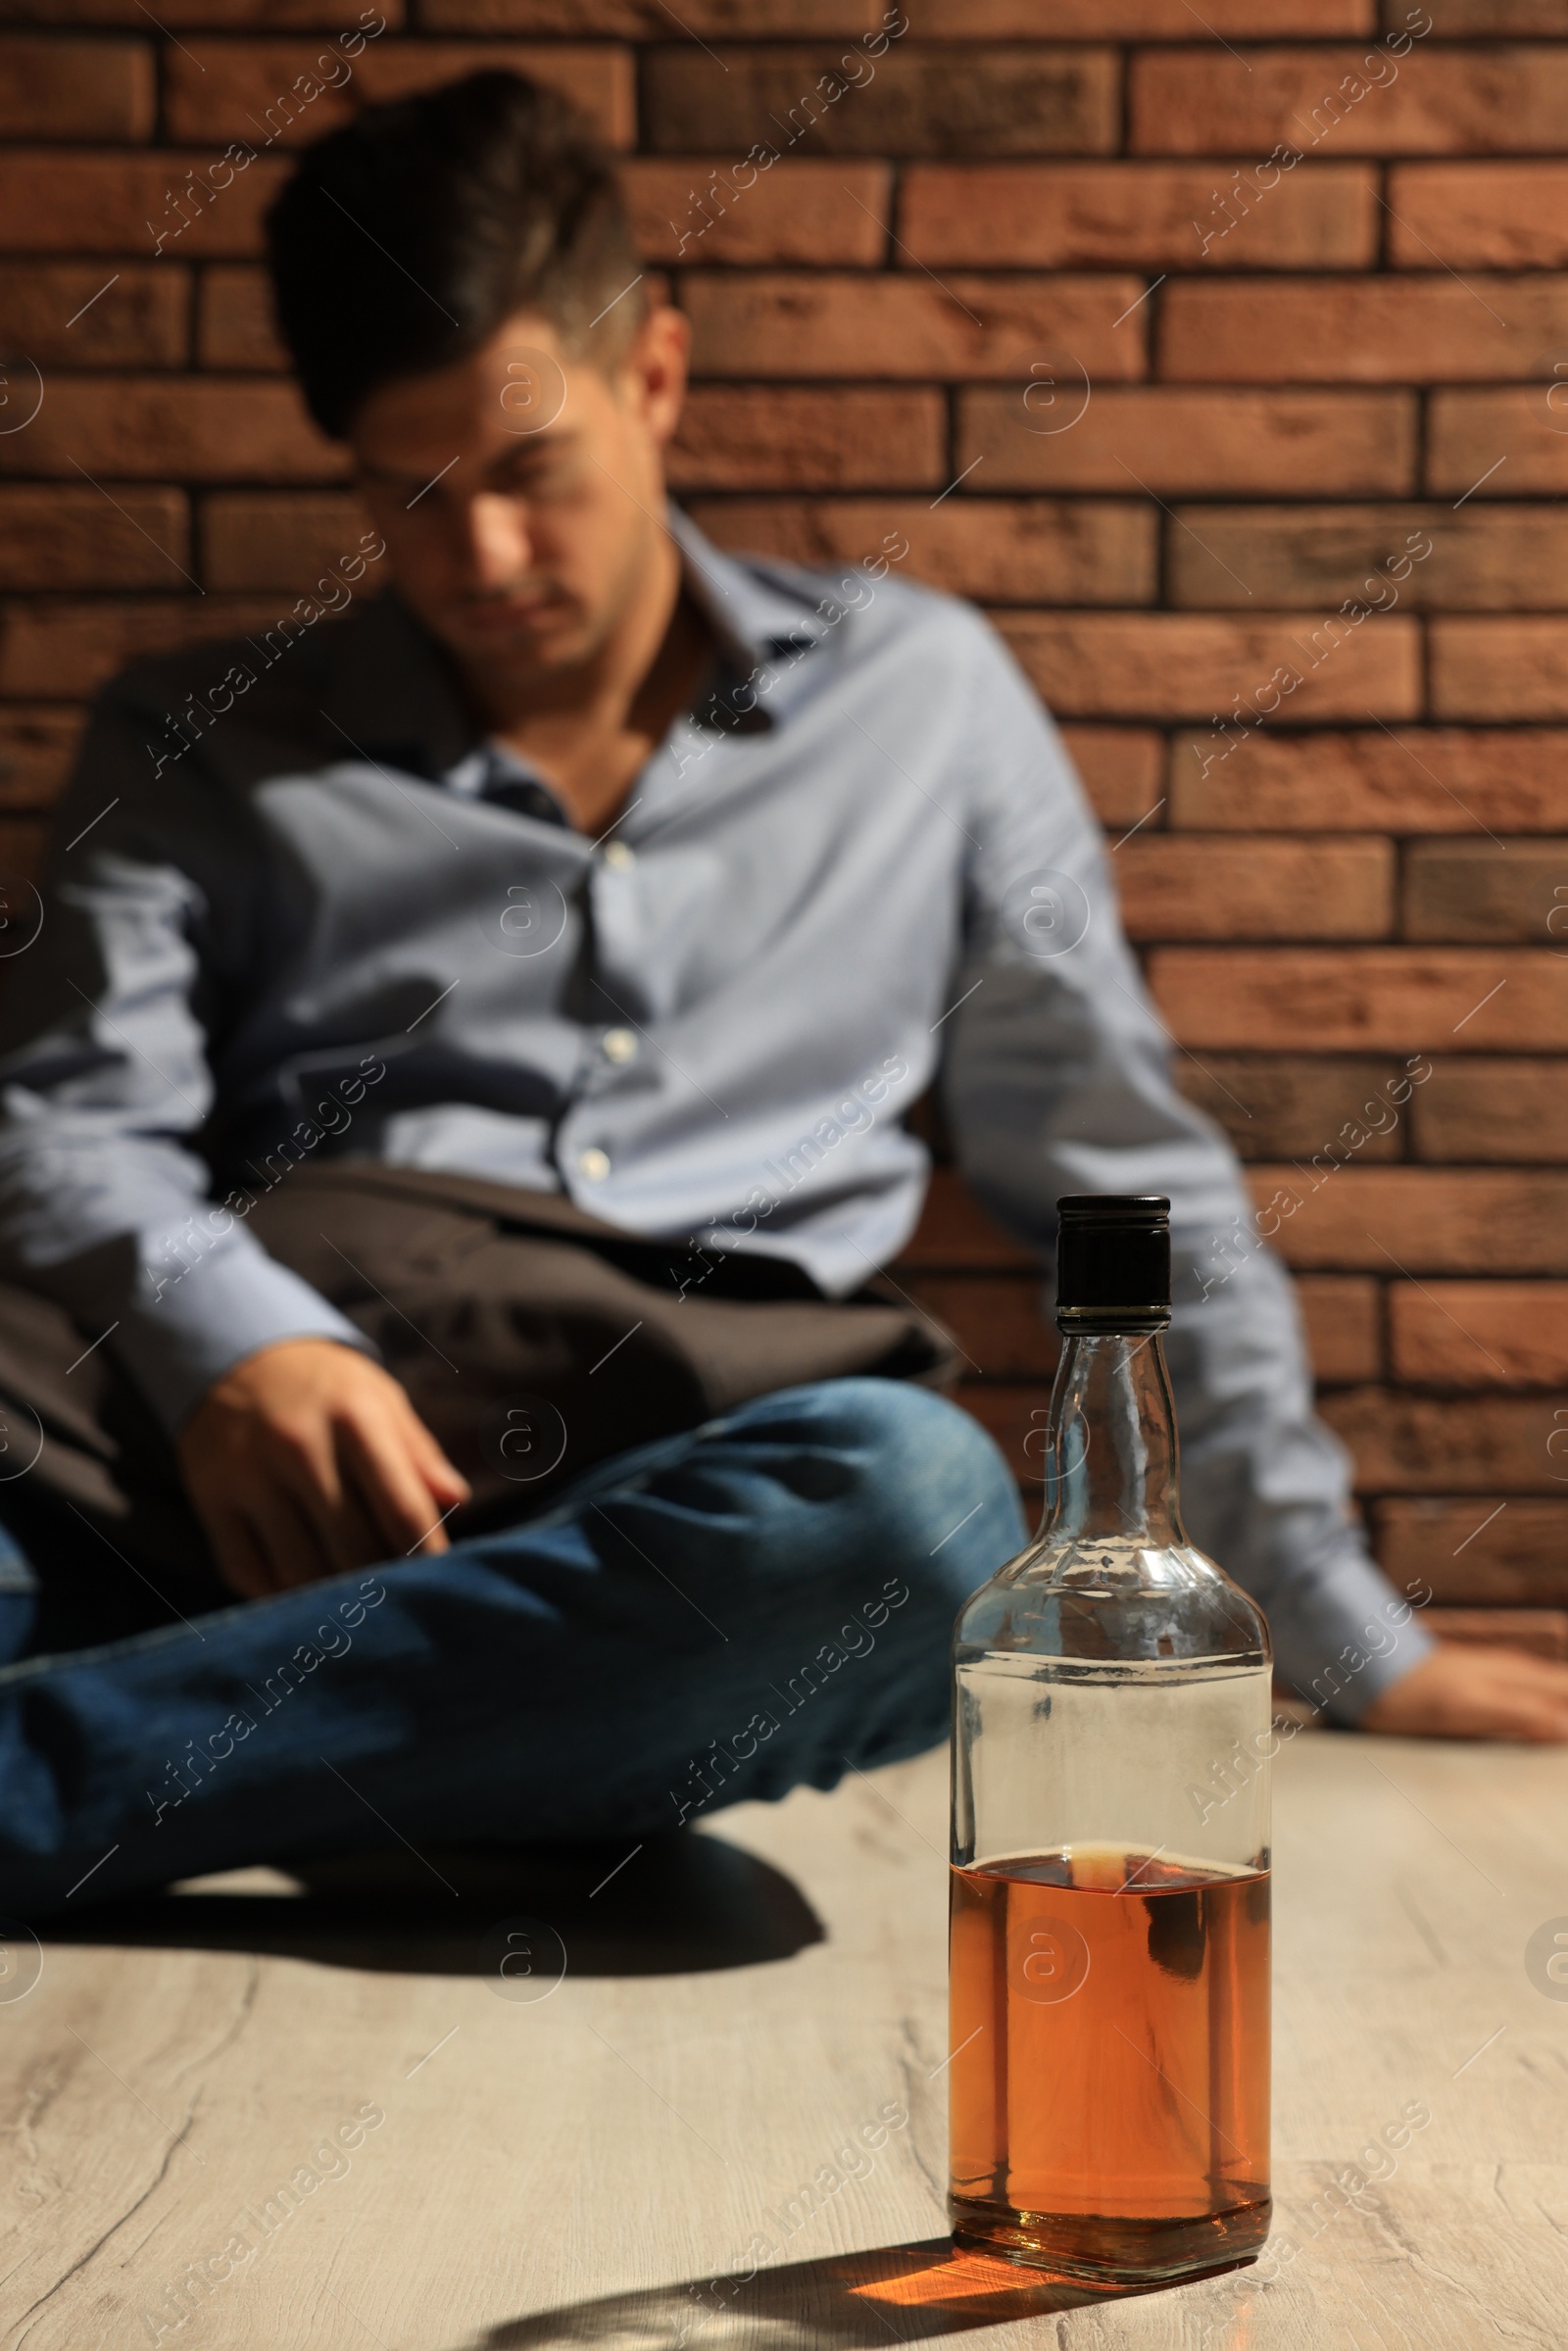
(654, 370)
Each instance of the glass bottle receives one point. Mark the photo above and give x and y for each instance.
(1109, 1951)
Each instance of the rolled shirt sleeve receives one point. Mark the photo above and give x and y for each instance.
(1058, 1080)
(105, 1083)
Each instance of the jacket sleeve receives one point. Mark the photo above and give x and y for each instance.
(118, 967)
(1058, 1080)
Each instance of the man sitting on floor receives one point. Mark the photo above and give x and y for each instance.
(454, 1118)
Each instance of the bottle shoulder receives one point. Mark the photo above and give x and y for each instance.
(1111, 1599)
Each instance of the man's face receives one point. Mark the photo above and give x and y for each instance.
(521, 492)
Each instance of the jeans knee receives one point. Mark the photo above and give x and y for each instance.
(943, 1502)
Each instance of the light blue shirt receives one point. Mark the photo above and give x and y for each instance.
(340, 921)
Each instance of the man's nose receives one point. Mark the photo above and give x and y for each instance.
(497, 542)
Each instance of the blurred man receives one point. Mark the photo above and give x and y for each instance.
(455, 1113)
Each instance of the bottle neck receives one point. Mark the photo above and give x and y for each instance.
(1111, 1454)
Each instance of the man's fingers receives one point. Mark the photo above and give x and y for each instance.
(444, 1479)
(1545, 1720)
(336, 1474)
(357, 1538)
(240, 1560)
(1477, 1693)
(1542, 1726)
(304, 1460)
(287, 1537)
(395, 1493)
(1526, 1696)
(334, 1509)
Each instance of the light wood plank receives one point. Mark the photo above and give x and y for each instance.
(574, 2168)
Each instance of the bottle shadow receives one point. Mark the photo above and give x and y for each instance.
(840, 2302)
(674, 1904)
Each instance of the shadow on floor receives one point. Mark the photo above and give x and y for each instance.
(843, 2302)
(676, 1904)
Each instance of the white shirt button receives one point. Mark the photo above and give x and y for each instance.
(594, 1166)
(619, 1045)
(618, 857)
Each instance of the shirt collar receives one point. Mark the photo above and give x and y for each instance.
(395, 697)
(752, 610)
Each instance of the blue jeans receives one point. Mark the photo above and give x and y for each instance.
(718, 1616)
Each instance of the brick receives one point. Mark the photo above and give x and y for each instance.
(1435, 101)
(1402, 1443)
(1375, 329)
(955, 1233)
(67, 647)
(1340, 1317)
(275, 539)
(147, 426)
(37, 743)
(91, 315)
(1417, 780)
(1175, 442)
(1121, 767)
(81, 537)
(1150, 216)
(1290, 1105)
(1510, 890)
(1148, 19)
(1025, 101)
(755, 437)
(1470, 433)
(238, 87)
(957, 20)
(648, 21)
(52, 203)
(1513, 668)
(997, 1320)
(1539, 1631)
(1490, 19)
(1504, 1111)
(1419, 1220)
(597, 80)
(822, 215)
(1405, 1000)
(64, 89)
(1473, 216)
(234, 321)
(789, 324)
(204, 16)
(1520, 1556)
(1182, 886)
(1480, 1334)
(1027, 550)
(1427, 558)
(1177, 665)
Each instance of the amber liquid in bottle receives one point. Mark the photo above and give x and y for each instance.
(1109, 2083)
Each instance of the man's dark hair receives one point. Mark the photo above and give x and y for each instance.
(409, 237)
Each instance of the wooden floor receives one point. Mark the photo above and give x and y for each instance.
(397, 2149)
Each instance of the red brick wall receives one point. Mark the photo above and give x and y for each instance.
(1288, 386)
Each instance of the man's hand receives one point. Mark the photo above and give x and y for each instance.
(1465, 1692)
(306, 1460)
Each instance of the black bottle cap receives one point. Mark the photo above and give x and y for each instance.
(1113, 1261)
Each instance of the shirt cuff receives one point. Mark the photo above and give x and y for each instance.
(202, 1323)
(1343, 1635)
